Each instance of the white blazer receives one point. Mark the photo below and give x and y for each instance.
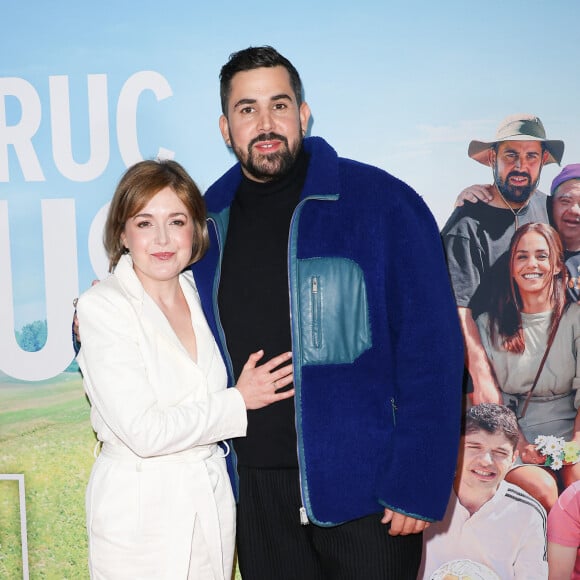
(153, 408)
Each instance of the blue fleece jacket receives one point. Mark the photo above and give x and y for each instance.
(377, 348)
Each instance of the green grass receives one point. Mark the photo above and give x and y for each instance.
(45, 434)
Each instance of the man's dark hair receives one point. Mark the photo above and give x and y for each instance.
(492, 418)
(250, 59)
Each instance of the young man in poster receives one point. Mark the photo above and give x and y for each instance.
(489, 520)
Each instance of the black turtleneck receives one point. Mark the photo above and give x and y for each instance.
(254, 303)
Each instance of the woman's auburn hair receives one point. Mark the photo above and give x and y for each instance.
(140, 183)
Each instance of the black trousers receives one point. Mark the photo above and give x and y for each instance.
(273, 545)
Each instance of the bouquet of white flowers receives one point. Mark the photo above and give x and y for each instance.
(557, 451)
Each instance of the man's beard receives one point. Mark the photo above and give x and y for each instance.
(515, 194)
(269, 166)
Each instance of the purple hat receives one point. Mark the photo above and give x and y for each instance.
(571, 171)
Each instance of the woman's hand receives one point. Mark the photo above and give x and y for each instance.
(529, 454)
(259, 385)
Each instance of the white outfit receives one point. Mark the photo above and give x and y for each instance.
(507, 534)
(159, 501)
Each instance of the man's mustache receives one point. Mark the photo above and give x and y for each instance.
(267, 137)
(519, 174)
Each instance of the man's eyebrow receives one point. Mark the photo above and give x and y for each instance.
(281, 96)
(248, 101)
(512, 150)
(244, 102)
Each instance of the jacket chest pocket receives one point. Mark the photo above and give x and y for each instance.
(333, 311)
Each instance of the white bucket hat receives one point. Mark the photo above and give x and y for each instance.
(519, 127)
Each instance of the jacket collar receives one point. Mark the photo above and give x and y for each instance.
(148, 310)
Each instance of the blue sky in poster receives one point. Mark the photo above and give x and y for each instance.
(402, 85)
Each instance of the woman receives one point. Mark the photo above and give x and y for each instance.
(529, 312)
(159, 502)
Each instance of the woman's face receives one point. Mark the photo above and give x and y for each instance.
(160, 238)
(532, 268)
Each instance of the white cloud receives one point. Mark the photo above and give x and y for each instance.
(461, 132)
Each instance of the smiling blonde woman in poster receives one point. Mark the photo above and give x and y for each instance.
(159, 501)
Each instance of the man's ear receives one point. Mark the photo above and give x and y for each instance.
(304, 117)
(545, 156)
(516, 455)
(225, 130)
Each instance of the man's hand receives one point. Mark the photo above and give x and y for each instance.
(76, 329)
(403, 525)
(475, 193)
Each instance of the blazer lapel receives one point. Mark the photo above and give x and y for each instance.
(149, 313)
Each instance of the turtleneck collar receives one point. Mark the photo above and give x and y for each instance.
(252, 192)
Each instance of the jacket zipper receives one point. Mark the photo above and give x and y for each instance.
(302, 512)
(315, 304)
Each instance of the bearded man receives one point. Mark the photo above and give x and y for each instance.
(477, 236)
(339, 262)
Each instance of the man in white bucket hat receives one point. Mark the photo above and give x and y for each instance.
(476, 236)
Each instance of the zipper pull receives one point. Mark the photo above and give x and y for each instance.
(303, 517)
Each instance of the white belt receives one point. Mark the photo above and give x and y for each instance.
(124, 454)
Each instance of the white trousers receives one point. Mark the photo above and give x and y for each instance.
(169, 517)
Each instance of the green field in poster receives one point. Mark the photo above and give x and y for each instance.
(45, 434)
